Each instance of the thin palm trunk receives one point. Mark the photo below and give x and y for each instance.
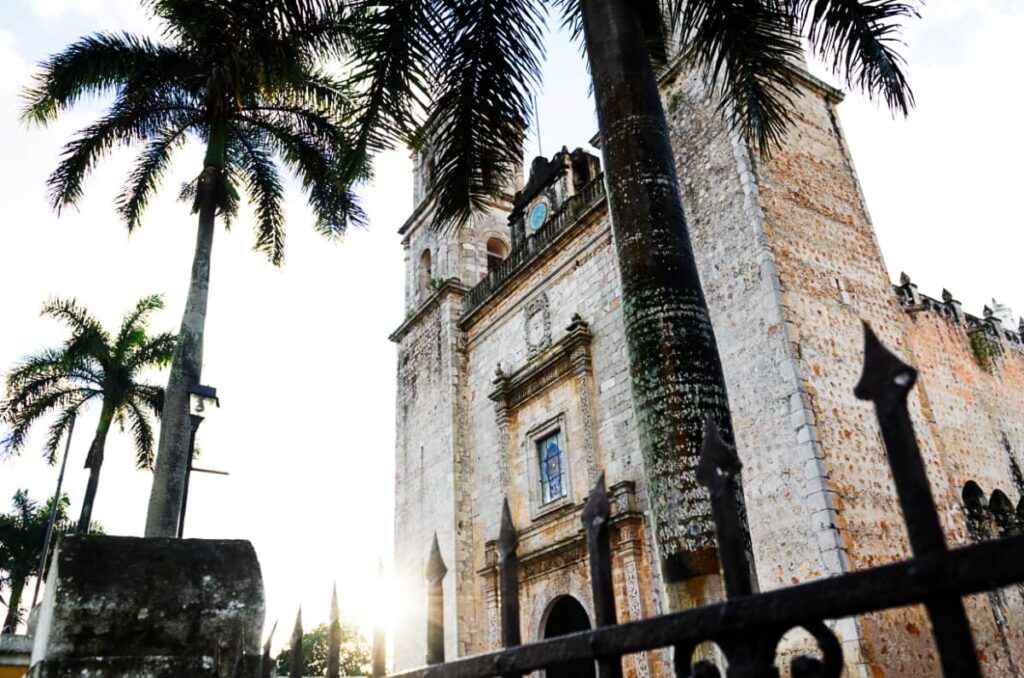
(674, 363)
(186, 370)
(13, 605)
(94, 462)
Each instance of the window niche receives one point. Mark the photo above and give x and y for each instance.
(426, 273)
(547, 459)
(496, 253)
(546, 455)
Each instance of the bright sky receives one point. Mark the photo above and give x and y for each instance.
(300, 355)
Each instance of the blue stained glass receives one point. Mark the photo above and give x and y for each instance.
(551, 471)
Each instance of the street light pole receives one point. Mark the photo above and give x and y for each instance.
(196, 421)
(200, 399)
(53, 512)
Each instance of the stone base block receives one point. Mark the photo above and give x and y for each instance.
(147, 608)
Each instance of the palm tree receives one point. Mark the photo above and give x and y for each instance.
(478, 63)
(240, 76)
(91, 366)
(22, 533)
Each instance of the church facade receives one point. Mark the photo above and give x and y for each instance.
(513, 382)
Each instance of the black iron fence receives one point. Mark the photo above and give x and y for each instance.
(748, 626)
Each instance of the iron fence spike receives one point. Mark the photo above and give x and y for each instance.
(436, 569)
(597, 509)
(884, 373)
(887, 381)
(508, 540)
(716, 457)
(270, 638)
(296, 664)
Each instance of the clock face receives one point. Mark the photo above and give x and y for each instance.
(538, 214)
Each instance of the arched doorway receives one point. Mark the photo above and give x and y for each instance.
(568, 616)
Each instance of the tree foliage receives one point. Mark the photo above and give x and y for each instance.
(22, 533)
(462, 73)
(355, 652)
(242, 76)
(92, 366)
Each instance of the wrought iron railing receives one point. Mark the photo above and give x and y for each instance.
(748, 626)
(570, 212)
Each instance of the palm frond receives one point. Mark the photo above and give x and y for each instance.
(745, 49)
(859, 40)
(321, 174)
(96, 64)
(142, 435)
(74, 315)
(59, 428)
(148, 171)
(482, 103)
(395, 45)
(130, 121)
(133, 325)
(264, 187)
(21, 419)
(151, 397)
(157, 351)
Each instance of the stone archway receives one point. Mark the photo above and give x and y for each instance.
(566, 615)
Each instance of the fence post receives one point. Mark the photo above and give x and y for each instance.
(717, 470)
(295, 668)
(596, 513)
(379, 653)
(508, 564)
(436, 571)
(334, 637)
(266, 667)
(886, 382)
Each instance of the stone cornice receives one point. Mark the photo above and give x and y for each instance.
(451, 287)
(565, 356)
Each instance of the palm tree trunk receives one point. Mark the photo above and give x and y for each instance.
(93, 462)
(186, 370)
(674, 363)
(14, 605)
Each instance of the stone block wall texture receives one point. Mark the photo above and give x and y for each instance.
(791, 267)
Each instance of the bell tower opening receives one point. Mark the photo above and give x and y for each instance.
(568, 616)
(496, 253)
(425, 275)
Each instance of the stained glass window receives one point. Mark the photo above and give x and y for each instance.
(552, 469)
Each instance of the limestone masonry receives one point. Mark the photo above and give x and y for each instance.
(513, 381)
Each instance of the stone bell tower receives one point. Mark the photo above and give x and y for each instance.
(432, 468)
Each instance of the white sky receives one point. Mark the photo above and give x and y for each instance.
(300, 355)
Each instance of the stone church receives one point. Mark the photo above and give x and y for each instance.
(513, 382)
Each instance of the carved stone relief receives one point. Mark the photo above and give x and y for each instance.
(537, 325)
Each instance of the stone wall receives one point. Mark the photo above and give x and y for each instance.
(790, 266)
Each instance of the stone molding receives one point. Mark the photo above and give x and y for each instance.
(570, 355)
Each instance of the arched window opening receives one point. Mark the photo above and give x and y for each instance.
(496, 253)
(426, 273)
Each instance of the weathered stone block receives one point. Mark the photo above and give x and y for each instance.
(153, 607)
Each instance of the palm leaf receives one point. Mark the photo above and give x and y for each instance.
(858, 38)
(746, 49)
(482, 103)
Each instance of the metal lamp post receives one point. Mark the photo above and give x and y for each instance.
(201, 399)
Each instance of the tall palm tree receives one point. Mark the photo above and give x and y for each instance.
(91, 366)
(241, 76)
(472, 65)
(22, 533)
